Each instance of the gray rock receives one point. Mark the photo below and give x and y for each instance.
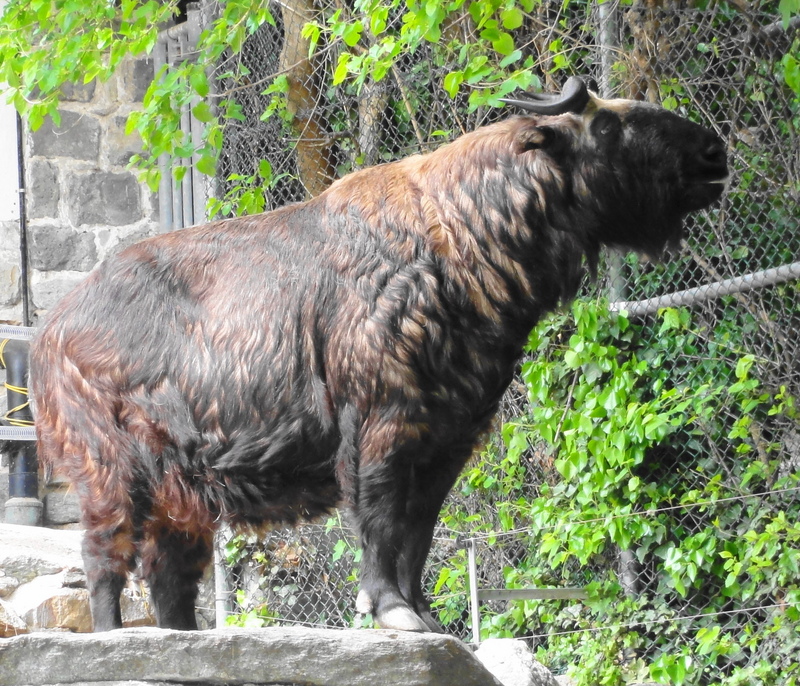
(11, 624)
(313, 657)
(42, 192)
(100, 197)
(78, 92)
(119, 146)
(9, 294)
(8, 584)
(27, 552)
(61, 507)
(135, 77)
(512, 662)
(54, 247)
(48, 291)
(78, 137)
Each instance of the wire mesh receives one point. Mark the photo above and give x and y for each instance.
(720, 65)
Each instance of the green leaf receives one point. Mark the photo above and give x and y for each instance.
(202, 112)
(342, 69)
(512, 18)
(207, 165)
(265, 171)
(452, 82)
(199, 81)
(504, 44)
(352, 33)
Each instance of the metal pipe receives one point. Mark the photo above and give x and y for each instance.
(160, 59)
(691, 296)
(23, 225)
(475, 613)
(23, 505)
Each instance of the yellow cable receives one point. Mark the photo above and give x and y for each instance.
(16, 389)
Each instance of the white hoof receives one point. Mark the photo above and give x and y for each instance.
(363, 603)
(401, 619)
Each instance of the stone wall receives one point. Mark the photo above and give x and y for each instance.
(82, 201)
(82, 204)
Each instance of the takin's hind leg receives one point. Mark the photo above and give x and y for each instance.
(107, 558)
(173, 563)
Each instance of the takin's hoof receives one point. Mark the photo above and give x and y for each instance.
(431, 623)
(402, 619)
(399, 617)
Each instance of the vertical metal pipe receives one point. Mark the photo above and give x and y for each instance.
(23, 505)
(198, 180)
(185, 189)
(474, 608)
(608, 39)
(23, 225)
(160, 58)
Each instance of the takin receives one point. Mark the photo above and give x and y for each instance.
(348, 351)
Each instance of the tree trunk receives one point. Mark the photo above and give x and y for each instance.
(314, 148)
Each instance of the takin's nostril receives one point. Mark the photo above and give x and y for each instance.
(714, 155)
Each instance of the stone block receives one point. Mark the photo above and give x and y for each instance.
(120, 147)
(135, 77)
(9, 284)
(48, 290)
(11, 624)
(512, 662)
(135, 609)
(78, 92)
(54, 247)
(45, 603)
(43, 191)
(8, 584)
(108, 198)
(27, 552)
(77, 137)
(273, 655)
(61, 507)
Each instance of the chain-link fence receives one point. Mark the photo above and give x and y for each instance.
(295, 126)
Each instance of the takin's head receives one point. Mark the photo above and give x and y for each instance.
(634, 169)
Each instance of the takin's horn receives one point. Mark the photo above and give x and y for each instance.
(573, 98)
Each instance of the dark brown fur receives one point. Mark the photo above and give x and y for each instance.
(348, 350)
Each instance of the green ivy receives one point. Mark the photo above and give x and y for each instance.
(609, 398)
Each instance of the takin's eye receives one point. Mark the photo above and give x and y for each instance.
(606, 126)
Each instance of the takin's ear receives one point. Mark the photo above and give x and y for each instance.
(533, 138)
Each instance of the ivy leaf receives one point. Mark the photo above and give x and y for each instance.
(352, 33)
(202, 112)
(512, 18)
(452, 82)
(207, 165)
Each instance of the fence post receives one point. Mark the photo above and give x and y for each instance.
(474, 609)
(222, 592)
(608, 35)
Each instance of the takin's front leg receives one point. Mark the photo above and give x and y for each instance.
(429, 485)
(380, 515)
